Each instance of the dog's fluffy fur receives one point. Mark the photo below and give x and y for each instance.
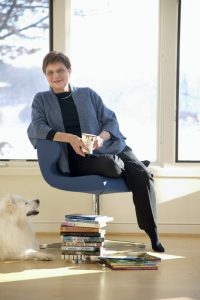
(17, 240)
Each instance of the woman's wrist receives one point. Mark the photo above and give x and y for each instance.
(62, 137)
(105, 135)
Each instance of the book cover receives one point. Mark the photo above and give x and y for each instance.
(125, 255)
(140, 257)
(151, 257)
(124, 245)
(99, 218)
(118, 264)
(122, 249)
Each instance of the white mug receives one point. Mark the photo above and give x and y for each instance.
(88, 139)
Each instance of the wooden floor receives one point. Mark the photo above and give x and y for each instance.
(178, 276)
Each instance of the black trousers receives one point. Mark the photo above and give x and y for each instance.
(138, 178)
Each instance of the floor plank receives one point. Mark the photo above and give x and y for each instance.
(177, 278)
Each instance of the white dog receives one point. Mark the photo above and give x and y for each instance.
(17, 240)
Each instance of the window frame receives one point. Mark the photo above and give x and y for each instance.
(177, 160)
(165, 165)
(16, 162)
(51, 6)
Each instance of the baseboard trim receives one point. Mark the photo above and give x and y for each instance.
(171, 228)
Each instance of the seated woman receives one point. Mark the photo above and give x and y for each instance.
(64, 112)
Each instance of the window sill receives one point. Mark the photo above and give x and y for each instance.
(17, 168)
(176, 172)
(12, 168)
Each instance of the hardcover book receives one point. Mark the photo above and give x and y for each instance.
(124, 245)
(122, 249)
(123, 255)
(83, 234)
(79, 229)
(118, 264)
(86, 253)
(83, 224)
(98, 218)
(140, 257)
(88, 244)
(79, 248)
(82, 239)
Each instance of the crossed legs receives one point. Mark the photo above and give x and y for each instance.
(139, 180)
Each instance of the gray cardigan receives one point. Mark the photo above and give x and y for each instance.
(94, 117)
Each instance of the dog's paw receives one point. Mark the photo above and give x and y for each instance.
(31, 254)
(44, 256)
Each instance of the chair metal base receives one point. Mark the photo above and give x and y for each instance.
(96, 204)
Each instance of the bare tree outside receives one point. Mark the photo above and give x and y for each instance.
(16, 18)
(24, 40)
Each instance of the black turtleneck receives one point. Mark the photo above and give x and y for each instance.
(69, 115)
(71, 125)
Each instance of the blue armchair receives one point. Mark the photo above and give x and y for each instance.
(48, 153)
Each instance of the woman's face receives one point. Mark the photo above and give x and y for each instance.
(58, 77)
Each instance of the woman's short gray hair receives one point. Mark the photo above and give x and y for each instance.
(54, 57)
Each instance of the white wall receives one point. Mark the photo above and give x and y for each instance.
(178, 201)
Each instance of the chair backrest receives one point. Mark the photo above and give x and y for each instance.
(48, 153)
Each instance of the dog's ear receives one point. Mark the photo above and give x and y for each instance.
(10, 205)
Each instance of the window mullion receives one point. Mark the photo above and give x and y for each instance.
(167, 81)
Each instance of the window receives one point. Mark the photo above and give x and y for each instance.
(24, 40)
(188, 102)
(114, 50)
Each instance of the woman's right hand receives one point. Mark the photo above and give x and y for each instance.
(77, 144)
(74, 140)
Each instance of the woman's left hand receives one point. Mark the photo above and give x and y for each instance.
(98, 143)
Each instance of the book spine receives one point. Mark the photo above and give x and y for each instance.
(98, 218)
(83, 224)
(81, 220)
(83, 234)
(134, 268)
(82, 244)
(78, 229)
(82, 239)
(79, 248)
(93, 253)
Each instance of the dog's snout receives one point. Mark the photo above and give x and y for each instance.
(37, 201)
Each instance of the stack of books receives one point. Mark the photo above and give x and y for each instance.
(82, 236)
(122, 255)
